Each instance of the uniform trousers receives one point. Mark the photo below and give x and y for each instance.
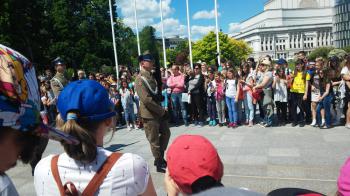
(158, 134)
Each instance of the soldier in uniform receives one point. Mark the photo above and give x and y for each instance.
(154, 117)
(59, 81)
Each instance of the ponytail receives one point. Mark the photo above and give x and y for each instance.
(84, 131)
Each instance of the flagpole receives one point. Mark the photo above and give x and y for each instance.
(189, 34)
(217, 32)
(137, 29)
(114, 44)
(163, 39)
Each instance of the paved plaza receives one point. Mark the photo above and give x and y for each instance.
(260, 159)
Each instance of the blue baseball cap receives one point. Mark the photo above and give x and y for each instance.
(281, 62)
(87, 98)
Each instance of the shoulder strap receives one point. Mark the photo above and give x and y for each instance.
(56, 176)
(58, 81)
(96, 181)
(101, 174)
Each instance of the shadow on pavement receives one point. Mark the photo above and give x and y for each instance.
(119, 147)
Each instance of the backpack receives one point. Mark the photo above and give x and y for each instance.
(68, 189)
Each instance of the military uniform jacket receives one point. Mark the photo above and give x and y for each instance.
(146, 88)
(58, 82)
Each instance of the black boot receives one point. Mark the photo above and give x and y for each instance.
(159, 165)
(163, 163)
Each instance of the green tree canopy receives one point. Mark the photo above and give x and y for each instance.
(320, 52)
(231, 49)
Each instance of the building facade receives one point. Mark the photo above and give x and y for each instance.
(288, 26)
(172, 43)
(341, 28)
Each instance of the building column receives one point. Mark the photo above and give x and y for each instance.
(287, 43)
(315, 40)
(329, 38)
(302, 40)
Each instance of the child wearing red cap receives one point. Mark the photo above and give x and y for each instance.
(194, 166)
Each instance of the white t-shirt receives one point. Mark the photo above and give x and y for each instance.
(6, 186)
(280, 92)
(345, 70)
(128, 176)
(231, 88)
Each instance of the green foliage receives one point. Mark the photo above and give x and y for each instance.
(337, 52)
(347, 49)
(231, 49)
(148, 42)
(320, 52)
(77, 31)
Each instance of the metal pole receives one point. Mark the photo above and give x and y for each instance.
(163, 39)
(137, 29)
(114, 44)
(217, 32)
(189, 34)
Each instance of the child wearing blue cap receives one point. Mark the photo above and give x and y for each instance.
(86, 112)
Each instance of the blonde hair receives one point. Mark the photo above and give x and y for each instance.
(84, 130)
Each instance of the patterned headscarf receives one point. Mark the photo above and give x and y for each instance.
(19, 93)
(19, 96)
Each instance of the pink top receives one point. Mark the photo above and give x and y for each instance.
(220, 94)
(344, 179)
(176, 83)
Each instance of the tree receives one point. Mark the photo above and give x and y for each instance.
(148, 42)
(231, 49)
(347, 49)
(320, 52)
(77, 31)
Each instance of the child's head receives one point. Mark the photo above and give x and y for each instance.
(230, 74)
(85, 112)
(192, 178)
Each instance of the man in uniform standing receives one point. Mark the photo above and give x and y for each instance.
(155, 118)
(59, 81)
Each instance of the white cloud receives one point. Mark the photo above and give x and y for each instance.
(147, 11)
(204, 14)
(234, 28)
(172, 27)
(199, 31)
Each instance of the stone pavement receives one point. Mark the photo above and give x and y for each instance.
(260, 159)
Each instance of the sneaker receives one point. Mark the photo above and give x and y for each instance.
(214, 123)
(267, 125)
(195, 123)
(129, 128)
(294, 124)
(323, 123)
(347, 126)
(211, 123)
(313, 123)
(229, 125)
(301, 124)
(200, 124)
(220, 125)
(186, 124)
(234, 125)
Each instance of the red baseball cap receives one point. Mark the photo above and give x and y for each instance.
(191, 157)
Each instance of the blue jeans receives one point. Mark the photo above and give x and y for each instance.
(325, 104)
(248, 107)
(231, 107)
(211, 106)
(178, 106)
(129, 113)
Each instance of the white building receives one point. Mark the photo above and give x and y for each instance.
(288, 26)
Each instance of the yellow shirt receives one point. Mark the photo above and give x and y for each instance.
(299, 84)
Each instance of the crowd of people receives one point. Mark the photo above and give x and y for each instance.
(83, 111)
(267, 93)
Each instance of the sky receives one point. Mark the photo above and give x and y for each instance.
(202, 18)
